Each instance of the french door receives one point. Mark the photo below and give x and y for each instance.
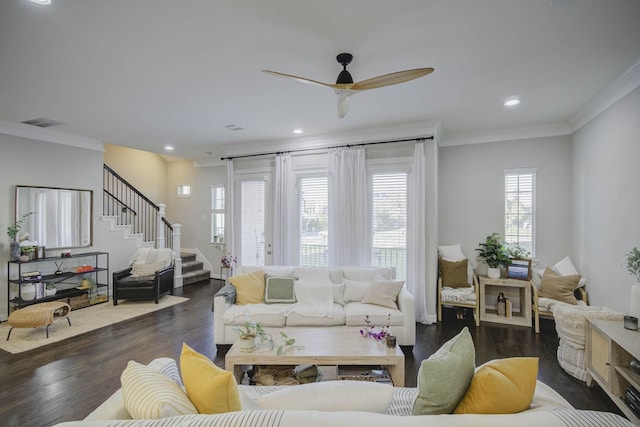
(254, 220)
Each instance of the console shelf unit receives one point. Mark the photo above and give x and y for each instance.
(67, 282)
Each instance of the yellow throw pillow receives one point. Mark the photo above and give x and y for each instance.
(502, 386)
(559, 288)
(149, 394)
(211, 389)
(249, 287)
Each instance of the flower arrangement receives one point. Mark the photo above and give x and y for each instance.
(12, 231)
(370, 332)
(228, 261)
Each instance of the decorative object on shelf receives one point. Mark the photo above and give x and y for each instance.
(229, 261)
(12, 232)
(501, 305)
(58, 268)
(369, 330)
(252, 330)
(633, 267)
(495, 254)
(631, 323)
(28, 251)
(28, 291)
(50, 289)
(391, 341)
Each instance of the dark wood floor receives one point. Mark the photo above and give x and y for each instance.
(67, 380)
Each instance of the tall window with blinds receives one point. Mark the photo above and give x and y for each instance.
(520, 208)
(389, 221)
(217, 214)
(314, 220)
(252, 222)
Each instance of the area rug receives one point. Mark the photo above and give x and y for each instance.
(83, 320)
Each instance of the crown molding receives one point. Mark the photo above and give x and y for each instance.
(39, 134)
(397, 131)
(552, 129)
(621, 87)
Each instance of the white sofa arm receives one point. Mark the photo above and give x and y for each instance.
(220, 305)
(406, 304)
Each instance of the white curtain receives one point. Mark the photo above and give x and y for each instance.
(349, 230)
(283, 215)
(229, 207)
(417, 239)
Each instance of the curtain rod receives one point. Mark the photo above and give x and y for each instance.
(326, 148)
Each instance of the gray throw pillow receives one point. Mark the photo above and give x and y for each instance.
(279, 290)
(444, 377)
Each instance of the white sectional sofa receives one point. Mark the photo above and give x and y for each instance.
(547, 409)
(347, 285)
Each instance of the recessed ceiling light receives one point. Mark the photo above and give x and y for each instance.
(512, 101)
(168, 147)
(298, 131)
(41, 1)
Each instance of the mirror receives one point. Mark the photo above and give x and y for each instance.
(62, 219)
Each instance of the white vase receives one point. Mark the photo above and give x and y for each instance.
(28, 291)
(493, 273)
(50, 292)
(247, 344)
(634, 300)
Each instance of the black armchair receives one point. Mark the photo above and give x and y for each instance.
(143, 281)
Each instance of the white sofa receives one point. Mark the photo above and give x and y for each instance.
(548, 408)
(347, 283)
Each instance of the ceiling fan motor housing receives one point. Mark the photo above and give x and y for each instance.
(344, 77)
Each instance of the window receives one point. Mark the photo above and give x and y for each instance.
(252, 222)
(217, 214)
(520, 208)
(389, 221)
(314, 221)
(184, 190)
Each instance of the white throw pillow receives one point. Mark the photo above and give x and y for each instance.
(565, 267)
(148, 394)
(331, 396)
(384, 293)
(338, 293)
(354, 291)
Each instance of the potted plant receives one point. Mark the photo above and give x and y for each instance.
(494, 254)
(633, 267)
(248, 334)
(12, 232)
(50, 289)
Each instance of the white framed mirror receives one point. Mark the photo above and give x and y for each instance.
(63, 217)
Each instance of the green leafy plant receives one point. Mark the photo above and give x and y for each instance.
(494, 252)
(633, 263)
(27, 249)
(12, 230)
(50, 286)
(252, 329)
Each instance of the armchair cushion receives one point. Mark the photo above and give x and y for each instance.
(141, 270)
(454, 273)
(454, 253)
(565, 267)
(559, 288)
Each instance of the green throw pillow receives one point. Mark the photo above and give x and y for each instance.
(444, 377)
(279, 290)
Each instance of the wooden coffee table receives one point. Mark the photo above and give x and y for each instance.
(323, 347)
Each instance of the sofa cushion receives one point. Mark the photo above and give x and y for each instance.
(249, 287)
(502, 386)
(211, 389)
(331, 396)
(384, 293)
(265, 314)
(148, 394)
(355, 312)
(298, 319)
(559, 288)
(367, 274)
(354, 290)
(338, 292)
(444, 377)
(279, 290)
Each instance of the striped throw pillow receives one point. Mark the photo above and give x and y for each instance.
(149, 394)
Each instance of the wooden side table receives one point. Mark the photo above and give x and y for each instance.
(517, 291)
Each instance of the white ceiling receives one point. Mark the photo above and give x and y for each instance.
(145, 73)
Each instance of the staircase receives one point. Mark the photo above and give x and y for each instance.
(192, 270)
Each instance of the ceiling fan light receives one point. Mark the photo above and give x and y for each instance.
(344, 78)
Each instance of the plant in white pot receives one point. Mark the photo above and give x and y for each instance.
(494, 253)
(633, 267)
(248, 334)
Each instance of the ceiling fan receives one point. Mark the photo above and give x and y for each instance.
(345, 87)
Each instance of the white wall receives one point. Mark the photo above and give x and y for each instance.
(606, 189)
(471, 193)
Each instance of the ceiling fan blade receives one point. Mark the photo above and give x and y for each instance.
(391, 79)
(303, 79)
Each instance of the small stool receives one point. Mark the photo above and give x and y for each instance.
(37, 315)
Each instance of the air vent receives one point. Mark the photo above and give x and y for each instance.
(42, 122)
